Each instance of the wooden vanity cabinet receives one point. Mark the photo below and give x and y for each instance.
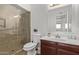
(57, 48)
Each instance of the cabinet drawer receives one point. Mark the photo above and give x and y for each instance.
(65, 52)
(47, 50)
(69, 47)
(48, 43)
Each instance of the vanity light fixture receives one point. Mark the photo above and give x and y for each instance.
(53, 5)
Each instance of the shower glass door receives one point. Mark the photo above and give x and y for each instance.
(14, 27)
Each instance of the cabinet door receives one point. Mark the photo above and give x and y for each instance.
(47, 50)
(43, 49)
(65, 52)
(74, 48)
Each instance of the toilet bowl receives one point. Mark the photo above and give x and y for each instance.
(31, 46)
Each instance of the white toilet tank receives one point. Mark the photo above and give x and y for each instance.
(36, 37)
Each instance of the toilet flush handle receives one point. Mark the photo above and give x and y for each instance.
(32, 41)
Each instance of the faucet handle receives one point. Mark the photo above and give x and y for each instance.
(49, 34)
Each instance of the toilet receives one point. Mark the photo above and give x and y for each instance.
(31, 46)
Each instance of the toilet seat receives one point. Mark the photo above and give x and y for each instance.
(29, 46)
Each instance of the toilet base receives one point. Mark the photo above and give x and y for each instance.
(31, 52)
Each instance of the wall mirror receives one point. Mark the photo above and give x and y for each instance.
(63, 21)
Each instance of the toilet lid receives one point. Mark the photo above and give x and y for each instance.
(30, 44)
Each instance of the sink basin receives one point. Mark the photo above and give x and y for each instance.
(61, 38)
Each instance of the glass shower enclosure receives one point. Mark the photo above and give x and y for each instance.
(14, 29)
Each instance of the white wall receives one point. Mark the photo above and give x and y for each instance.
(39, 18)
(51, 21)
(52, 17)
(75, 18)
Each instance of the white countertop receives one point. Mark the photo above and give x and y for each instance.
(63, 40)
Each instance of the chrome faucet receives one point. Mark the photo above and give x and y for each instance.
(57, 36)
